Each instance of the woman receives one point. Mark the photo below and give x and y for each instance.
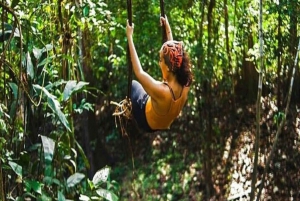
(155, 104)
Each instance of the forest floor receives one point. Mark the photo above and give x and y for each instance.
(170, 166)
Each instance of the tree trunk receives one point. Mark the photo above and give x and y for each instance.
(1, 184)
(207, 109)
(249, 74)
(279, 53)
(293, 50)
(90, 124)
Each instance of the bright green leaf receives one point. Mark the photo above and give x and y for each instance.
(74, 179)
(107, 194)
(101, 176)
(86, 11)
(84, 198)
(37, 53)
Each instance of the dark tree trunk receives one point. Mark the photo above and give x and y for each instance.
(249, 74)
(208, 102)
(88, 123)
(293, 50)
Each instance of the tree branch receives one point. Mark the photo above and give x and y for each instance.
(258, 105)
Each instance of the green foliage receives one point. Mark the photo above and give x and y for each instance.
(53, 183)
(56, 55)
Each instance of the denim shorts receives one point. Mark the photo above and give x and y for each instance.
(139, 99)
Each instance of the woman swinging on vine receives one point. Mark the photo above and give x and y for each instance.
(155, 104)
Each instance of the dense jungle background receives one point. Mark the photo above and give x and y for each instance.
(62, 62)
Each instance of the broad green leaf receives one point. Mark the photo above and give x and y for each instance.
(85, 11)
(84, 198)
(13, 109)
(60, 196)
(7, 32)
(48, 145)
(14, 88)
(54, 105)
(107, 194)
(74, 179)
(16, 168)
(48, 59)
(101, 176)
(29, 66)
(48, 47)
(72, 86)
(33, 185)
(37, 52)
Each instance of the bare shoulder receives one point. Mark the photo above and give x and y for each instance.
(161, 93)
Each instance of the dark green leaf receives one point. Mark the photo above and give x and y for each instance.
(14, 3)
(14, 88)
(84, 158)
(16, 168)
(42, 63)
(33, 185)
(13, 109)
(13, 106)
(86, 11)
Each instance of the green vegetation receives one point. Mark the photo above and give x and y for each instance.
(62, 62)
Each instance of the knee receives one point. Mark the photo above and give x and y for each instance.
(135, 86)
(134, 83)
(136, 89)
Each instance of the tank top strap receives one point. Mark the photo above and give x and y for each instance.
(171, 90)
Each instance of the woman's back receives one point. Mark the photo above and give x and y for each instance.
(161, 113)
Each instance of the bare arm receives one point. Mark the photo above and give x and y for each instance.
(151, 86)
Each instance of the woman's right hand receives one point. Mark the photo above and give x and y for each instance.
(164, 21)
(129, 29)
